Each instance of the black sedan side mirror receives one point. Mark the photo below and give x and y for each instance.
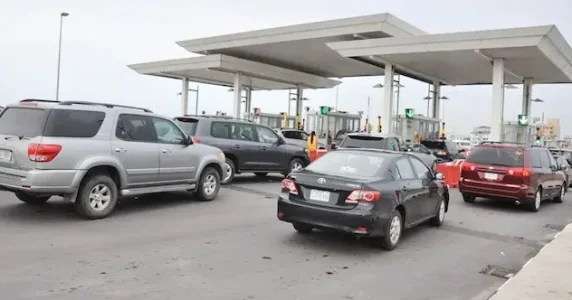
(439, 176)
(563, 167)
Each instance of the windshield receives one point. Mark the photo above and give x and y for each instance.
(434, 144)
(188, 125)
(356, 141)
(349, 164)
(23, 122)
(509, 157)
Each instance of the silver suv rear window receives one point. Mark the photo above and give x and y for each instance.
(23, 122)
(32, 122)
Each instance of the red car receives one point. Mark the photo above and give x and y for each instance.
(523, 174)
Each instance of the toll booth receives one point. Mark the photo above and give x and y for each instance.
(516, 133)
(274, 120)
(417, 127)
(331, 122)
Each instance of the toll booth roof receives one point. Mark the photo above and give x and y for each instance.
(303, 47)
(464, 58)
(220, 70)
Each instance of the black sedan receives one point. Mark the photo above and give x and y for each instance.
(365, 192)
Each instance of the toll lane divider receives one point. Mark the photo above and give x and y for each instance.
(315, 154)
(451, 172)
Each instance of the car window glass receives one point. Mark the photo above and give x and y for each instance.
(266, 135)
(167, 132)
(420, 169)
(395, 173)
(362, 141)
(534, 157)
(436, 145)
(189, 125)
(242, 132)
(405, 169)
(495, 156)
(452, 147)
(134, 128)
(289, 134)
(220, 130)
(304, 136)
(24, 122)
(392, 144)
(349, 164)
(73, 123)
(544, 160)
(551, 159)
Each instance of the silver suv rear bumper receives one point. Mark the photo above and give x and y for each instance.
(53, 182)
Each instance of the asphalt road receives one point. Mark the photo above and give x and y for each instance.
(173, 247)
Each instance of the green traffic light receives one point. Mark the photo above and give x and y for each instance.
(324, 110)
(409, 113)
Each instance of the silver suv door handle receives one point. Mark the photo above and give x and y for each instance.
(120, 150)
(166, 151)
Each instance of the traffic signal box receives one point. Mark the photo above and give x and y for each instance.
(443, 132)
(324, 110)
(538, 133)
(379, 124)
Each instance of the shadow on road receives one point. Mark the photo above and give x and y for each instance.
(57, 210)
(248, 178)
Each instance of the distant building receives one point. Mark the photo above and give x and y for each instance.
(480, 133)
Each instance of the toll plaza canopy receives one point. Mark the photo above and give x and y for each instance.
(279, 58)
(464, 58)
(310, 55)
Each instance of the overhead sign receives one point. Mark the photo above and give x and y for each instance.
(324, 110)
(409, 113)
(523, 120)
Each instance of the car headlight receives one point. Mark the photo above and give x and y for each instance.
(222, 157)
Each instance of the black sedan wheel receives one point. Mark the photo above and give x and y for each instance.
(438, 219)
(393, 231)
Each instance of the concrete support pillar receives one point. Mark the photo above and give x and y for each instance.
(299, 106)
(387, 113)
(248, 104)
(497, 110)
(436, 109)
(526, 96)
(185, 96)
(523, 137)
(237, 95)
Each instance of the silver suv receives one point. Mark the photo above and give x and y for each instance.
(93, 153)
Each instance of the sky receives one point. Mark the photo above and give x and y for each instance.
(101, 38)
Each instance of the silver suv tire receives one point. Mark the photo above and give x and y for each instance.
(97, 197)
(209, 185)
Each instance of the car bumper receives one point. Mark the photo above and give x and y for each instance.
(360, 220)
(49, 182)
(495, 190)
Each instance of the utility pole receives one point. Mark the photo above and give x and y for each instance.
(62, 16)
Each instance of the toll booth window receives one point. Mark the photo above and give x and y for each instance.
(242, 132)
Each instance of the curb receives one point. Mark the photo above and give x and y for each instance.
(528, 262)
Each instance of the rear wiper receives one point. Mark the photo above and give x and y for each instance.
(21, 137)
(499, 165)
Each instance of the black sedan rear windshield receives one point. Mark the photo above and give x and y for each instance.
(359, 141)
(434, 144)
(509, 157)
(349, 164)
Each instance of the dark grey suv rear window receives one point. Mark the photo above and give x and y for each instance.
(23, 122)
(73, 123)
(188, 125)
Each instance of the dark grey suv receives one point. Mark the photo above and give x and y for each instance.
(248, 147)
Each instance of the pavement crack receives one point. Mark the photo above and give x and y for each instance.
(250, 191)
(494, 236)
